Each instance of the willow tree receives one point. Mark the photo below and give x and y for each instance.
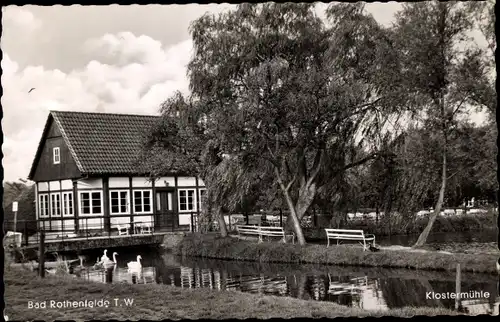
(179, 143)
(437, 64)
(283, 90)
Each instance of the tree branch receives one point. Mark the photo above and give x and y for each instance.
(301, 168)
(291, 183)
(318, 162)
(356, 163)
(461, 170)
(280, 181)
(364, 107)
(459, 105)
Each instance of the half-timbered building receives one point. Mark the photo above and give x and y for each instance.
(86, 178)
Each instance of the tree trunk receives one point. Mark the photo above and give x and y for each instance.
(293, 219)
(222, 222)
(423, 236)
(304, 201)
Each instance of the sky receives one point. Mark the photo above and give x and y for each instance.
(114, 59)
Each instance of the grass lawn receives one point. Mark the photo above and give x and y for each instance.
(156, 301)
(230, 248)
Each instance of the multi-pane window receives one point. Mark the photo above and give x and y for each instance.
(201, 198)
(67, 202)
(187, 200)
(57, 155)
(119, 201)
(142, 201)
(55, 204)
(43, 205)
(91, 203)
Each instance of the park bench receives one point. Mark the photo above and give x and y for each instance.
(261, 231)
(348, 234)
(248, 230)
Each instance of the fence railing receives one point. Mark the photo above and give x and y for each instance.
(27, 232)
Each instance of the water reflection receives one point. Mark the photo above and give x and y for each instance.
(367, 288)
(114, 274)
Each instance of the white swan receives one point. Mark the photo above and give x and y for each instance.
(103, 261)
(108, 262)
(105, 257)
(135, 265)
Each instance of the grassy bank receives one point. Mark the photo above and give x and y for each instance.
(212, 246)
(155, 302)
(463, 223)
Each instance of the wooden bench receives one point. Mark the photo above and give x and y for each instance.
(248, 230)
(271, 231)
(349, 234)
(261, 231)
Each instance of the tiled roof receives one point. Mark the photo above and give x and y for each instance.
(103, 143)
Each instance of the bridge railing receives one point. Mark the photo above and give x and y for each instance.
(87, 228)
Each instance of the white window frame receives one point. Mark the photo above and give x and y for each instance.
(198, 203)
(65, 207)
(56, 157)
(41, 208)
(119, 202)
(52, 196)
(90, 192)
(142, 199)
(195, 201)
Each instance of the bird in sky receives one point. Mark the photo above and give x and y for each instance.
(31, 90)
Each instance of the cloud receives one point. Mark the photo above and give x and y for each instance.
(20, 19)
(131, 74)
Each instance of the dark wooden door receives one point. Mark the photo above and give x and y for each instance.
(165, 214)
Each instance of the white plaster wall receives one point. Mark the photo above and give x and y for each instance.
(93, 223)
(160, 182)
(141, 182)
(89, 183)
(186, 182)
(125, 221)
(69, 225)
(119, 182)
(147, 220)
(184, 219)
(66, 184)
(54, 185)
(43, 186)
(200, 182)
(44, 225)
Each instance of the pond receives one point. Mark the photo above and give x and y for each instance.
(367, 288)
